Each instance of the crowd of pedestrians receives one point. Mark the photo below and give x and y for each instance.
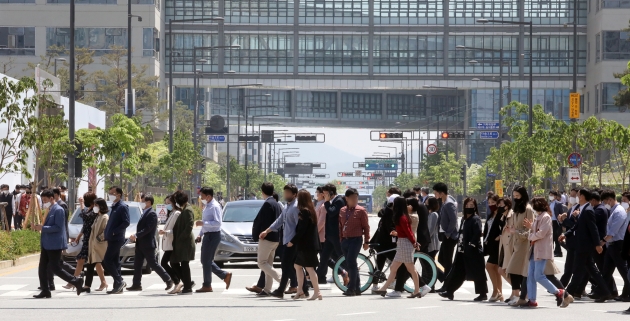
(516, 244)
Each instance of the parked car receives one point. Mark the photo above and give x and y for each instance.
(127, 251)
(237, 243)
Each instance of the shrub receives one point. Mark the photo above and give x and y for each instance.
(18, 243)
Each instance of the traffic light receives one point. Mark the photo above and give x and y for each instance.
(462, 173)
(384, 135)
(453, 135)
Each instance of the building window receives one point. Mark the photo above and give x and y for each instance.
(597, 110)
(279, 99)
(554, 54)
(260, 53)
(333, 53)
(219, 100)
(609, 91)
(85, 1)
(259, 11)
(598, 48)
(408, 54)
(408, 107)
(150, 43)
(361, 106)
(488, 61)
(616, 45)
(191, 9)
(542, 12)
(17, 41)
(614, 4)
(316, 104)
(408, 12)
(334, 12)
(183, 44)
(588, 102)
(466, 12)
(17, 1)
(100, 40)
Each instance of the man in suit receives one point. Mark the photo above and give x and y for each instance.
(568, 221)
(616, 230)
(268, 213)
(146, 245)
(53, 241)
(556, 209)
(587, 240)
(67, 267)
(331, 249)
(115, 237)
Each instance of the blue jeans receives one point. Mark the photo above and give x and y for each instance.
(535, 274)
(351, 248)
(209, 246)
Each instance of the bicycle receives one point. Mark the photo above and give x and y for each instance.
(367, 273)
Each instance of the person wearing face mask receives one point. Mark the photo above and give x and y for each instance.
(491, 243)
(211, 235)
(167, 243)
(146, 245)
(556, 210)
(97, 244)
(7, 197)
(625, 201)
(573, 199)
(517, 268)
(448, 228)
(53, 241)
(469, 262)
(615, 233)
(505, 241)
(88, 216)
(183, 243)
(115, 236)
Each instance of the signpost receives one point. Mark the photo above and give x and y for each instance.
(575, 159)
(162, 212)
(489, 135)
(432, 149)
(573, 175)
(488, 124)
(574, 105)
(498, 187)
(380, 164)
(217, 138)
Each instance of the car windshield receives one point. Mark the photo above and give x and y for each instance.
(241, 213)
(134, 215)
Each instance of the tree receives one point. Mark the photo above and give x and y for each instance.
(47, 60)
(17, 108)
(179, 164)
(7, 65)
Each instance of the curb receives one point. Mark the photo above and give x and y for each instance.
(31, 258)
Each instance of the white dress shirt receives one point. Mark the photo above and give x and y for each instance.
(211, 217)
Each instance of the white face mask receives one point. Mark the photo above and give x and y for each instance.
(625, 205)
(552, 198)
(607, 206)
(46, 205)
(573, 200)
(180, 206)
(204, 202)
(112, 197)
(96, 210)
(22, 191)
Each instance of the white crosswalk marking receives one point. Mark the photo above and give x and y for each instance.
(12, 287)
(19, 293)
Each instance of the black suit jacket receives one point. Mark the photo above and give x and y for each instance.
(117, 223)
(146, 229)
(424, 236)
(584, 232)
(267, 214)
(557, 209)
(601, 219)
(569, 223)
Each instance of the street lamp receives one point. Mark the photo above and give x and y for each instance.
(246, 148)
(58, 59)
(170, 72)
(130, 104)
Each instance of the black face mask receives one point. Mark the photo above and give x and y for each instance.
(469, 211)
(500, 210)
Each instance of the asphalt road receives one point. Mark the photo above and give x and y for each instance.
(17, 285)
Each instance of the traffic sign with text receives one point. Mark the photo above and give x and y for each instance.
(575, 159)
(487, 125)
(217, 138)
(432, 149)
(573, 175)
(574, 105)
(489, 135)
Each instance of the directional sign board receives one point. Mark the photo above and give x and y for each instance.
(575, 159)
(217, 138)
(489, 135)
(573, 175)
(574, 105)
(432, 149)
(161, 211)
(381, 164)
(498, 187)
(487, 125)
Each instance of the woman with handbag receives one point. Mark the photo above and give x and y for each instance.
(491, 243)
(88, 216)
(97, 244)
(183, 242)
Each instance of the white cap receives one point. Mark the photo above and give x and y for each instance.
(390, 200)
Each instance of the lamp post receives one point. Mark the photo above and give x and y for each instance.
(71, 110)
(58, 59)
(130, 105)
(170, 73)
(246, 154)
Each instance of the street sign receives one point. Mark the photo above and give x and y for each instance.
(489, 135)
(573, 175)
(217, 138)
(432, 149)
(498, 187)
(574, 105)
(358, 173)
(575, 159)
(491, 175)
(220, 131)
(243, 138)
(344, 174)
(380, 164)
(162, 212)
(487, 125)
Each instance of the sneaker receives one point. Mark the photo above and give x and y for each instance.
(531, 304)
(394, 294)
(330, 280)
(425, 290)
(512, 300)
(568, 299)
(560, 297)
(392, 286)
(374, 288)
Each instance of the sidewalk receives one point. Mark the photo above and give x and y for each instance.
(29, 259)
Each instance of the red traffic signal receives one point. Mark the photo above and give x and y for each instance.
(395, 135)
(444, 135)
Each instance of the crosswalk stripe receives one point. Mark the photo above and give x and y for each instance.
(12, 287)
(19, 293)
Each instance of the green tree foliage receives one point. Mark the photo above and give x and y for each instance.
(179, 164)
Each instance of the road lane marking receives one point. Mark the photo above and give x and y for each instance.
(11, 287)
(25, 268)
(19, 293)
(357, 313)
(428, 307)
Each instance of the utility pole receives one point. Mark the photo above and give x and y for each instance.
(72, 192)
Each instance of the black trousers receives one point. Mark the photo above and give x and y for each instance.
(568, 268)
(111, 261)
(148, 254)
(613, 260)
(17, 221)
(584, 260)
(89, 274)
(166, 265)
(557, 230)
(65, 266)
(50, 260)
(517, 281)
(331, 252)
(457, 276)
(445, 257)
(288, 270)
(182, 270)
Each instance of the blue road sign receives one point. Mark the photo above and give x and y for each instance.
(575, 159)
(487, 125)
(488, 135)
(491, 175)
(217, 138)
(379, 164)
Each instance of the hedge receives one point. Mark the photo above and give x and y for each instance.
(18, 243)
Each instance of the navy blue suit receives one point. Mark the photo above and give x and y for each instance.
(145, 247)
(115, 237)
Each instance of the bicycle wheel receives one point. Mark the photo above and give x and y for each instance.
(366, 272)
(426, 268)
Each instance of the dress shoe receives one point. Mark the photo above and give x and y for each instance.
(558, 255)
(521, 303)
(357, 293)
(531, 305)
(118, 289)
(50, 288)
(568, 299)
(186, 292)
(349, 293)
(228, 280)
(446, 295)
(135, 288)
(481, 297)
(604, 298)
(42, 295)
(79, 285)
(169, 285)
(622, 298)
(263, 294)
(626, 311)
(204, 289)
(291, 291)
(277, 294)
(254, 289)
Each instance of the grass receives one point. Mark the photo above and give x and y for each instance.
(18, 243)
